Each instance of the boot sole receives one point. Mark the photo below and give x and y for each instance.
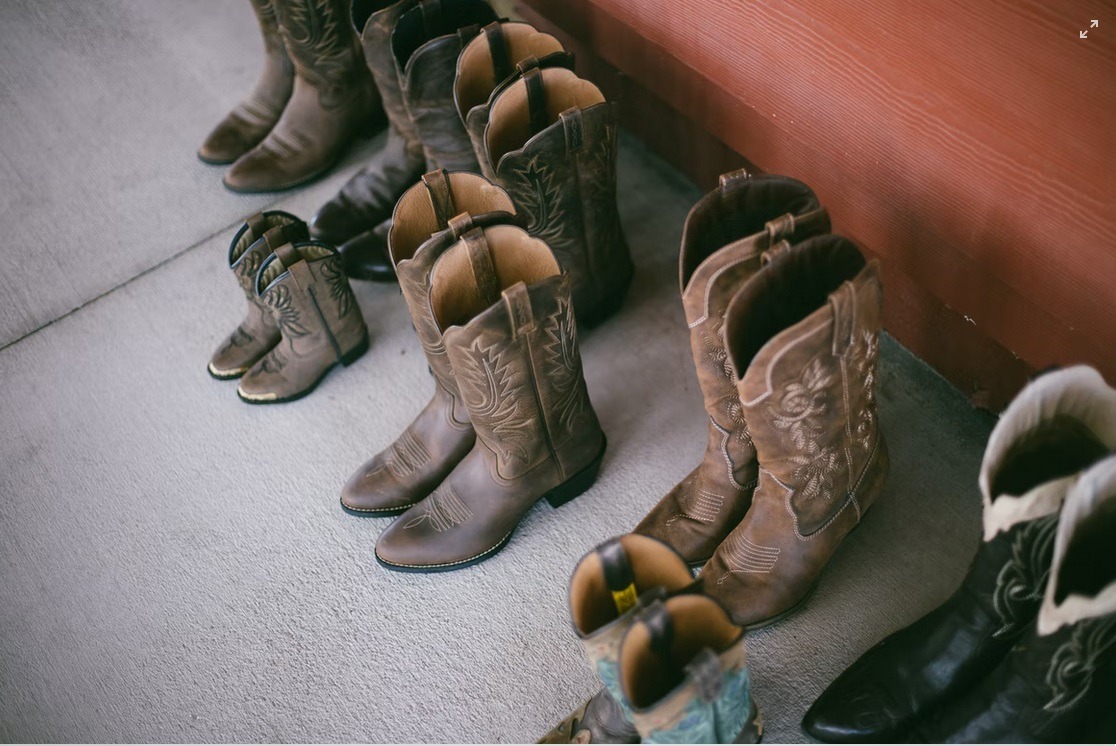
(557, 497)
(375, 512)
(349, 358)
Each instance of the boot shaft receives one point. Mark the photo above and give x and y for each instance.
(551, 138)
(684, 672)
(503, 51)
(426, 43)
(319, 38)
(803, 340)
(421, 231)
(374, 21)
(309, 296)
(505, 311)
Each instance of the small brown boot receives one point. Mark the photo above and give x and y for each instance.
(504, 308)
(723, 243)
(353, 220)
(423, 227)
(504, 49)
(309, 297)
(258, 332)
(334, 100)
(249, 122)
(426, 42)
(551, 140)
(803, 337)
(609, 588)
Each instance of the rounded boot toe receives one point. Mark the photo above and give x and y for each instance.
(227, 143)
(333, 223)
(366, 256)
(373, 492)
(861, 718)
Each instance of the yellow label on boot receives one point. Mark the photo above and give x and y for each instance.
(625, 599)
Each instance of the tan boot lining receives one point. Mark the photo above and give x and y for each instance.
(699, 622)
(509, 126)
(653, 565)
(516, 257)
(476, 78)
(414, 220)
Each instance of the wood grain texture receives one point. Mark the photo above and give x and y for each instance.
(968, 146)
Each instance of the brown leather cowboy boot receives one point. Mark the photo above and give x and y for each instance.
(353, 220)
(504, 309)
(249, 122)
(261, 234)
(503, 50)
(803, 338)
(426, 43)
(723, 242)
(551, 140)
(430, 217)
(334, 100)
(609, 588)
(309, 296)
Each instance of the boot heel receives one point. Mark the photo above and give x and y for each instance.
(578, 483)
(351, 356)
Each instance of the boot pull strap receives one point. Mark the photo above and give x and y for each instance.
(518, 302)
(618, 575)
(536, 100)
(733, 179)
(774, 252)
(438, 189)
(257, 223)
(573, 128)
(498, 50)
(843, 302)
(461, 224)
(431, 16)
(660, 627)
(480, 260)
(287, 254)
(704, 670)
(781, 227)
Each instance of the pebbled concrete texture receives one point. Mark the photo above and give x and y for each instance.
(173, 563)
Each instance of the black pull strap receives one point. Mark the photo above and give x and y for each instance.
(498, 50)
(536, 100)
(618, 575)
(660, 627)
(438, 189)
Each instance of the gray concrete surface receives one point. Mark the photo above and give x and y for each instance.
(173, 563)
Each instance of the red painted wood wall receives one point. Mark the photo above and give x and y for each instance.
(967, 145)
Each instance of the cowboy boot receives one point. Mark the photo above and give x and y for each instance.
(608, 589)
(309, 296)
(334, 99)
(504, 49)
(355, 219)
(1035, 452)
(683, 670)
(802, 337)
(1060, 678)
(430, 217)
(723, 242)
(426, 43)
(258, 332)
(551, 139)
(504, 309)
(249, 122)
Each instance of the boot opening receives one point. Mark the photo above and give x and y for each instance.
(415, 28)
(414, 220)
(363, 10)
(787, 290)
(653, 564)
(723, 217)
(1089, 564)
(245, 237)
(476, 74)
(1058, 447)
(455, 296)
(698, 623)
(509, 126)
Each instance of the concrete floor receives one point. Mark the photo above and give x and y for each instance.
(173, 563)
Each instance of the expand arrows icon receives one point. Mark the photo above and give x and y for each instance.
(1094, 23)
